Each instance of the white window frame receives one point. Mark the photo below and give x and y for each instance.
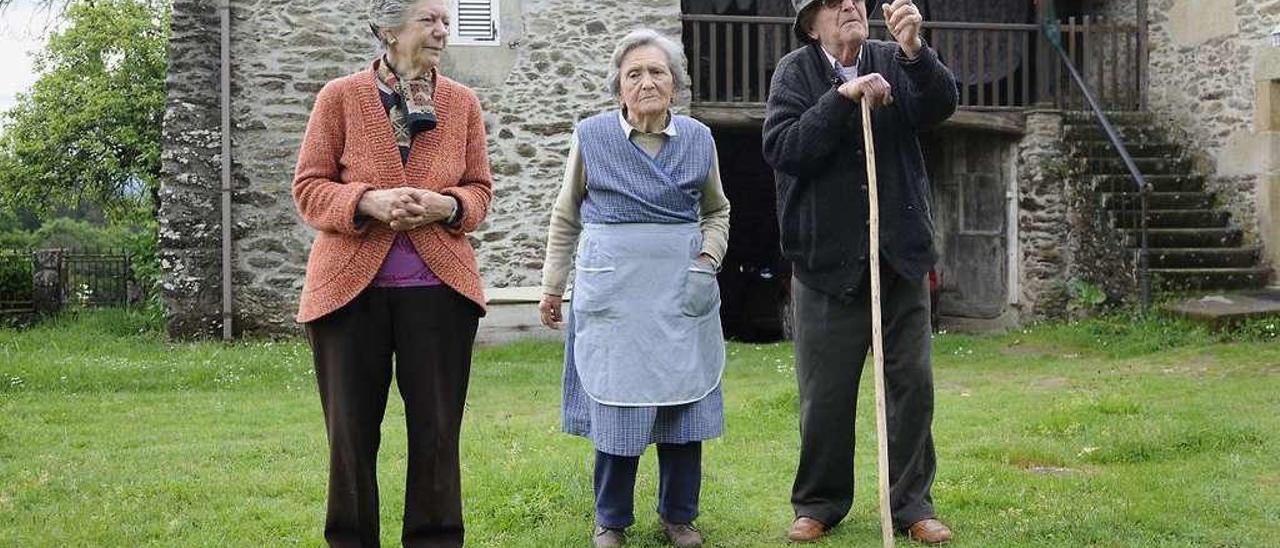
(455, 28)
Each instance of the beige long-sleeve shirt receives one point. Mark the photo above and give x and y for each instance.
(566, 216)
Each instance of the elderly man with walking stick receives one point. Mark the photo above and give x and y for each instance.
(813, 138)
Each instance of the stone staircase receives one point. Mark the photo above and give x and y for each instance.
(1193, 243)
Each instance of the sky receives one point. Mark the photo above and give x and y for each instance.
(22, 30)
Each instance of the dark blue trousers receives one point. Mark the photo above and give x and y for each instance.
(679, 484)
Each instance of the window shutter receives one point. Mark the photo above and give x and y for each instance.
(475, 22)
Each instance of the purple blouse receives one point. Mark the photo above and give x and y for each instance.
(403, 267)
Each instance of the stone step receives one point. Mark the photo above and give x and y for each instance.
(1146, 166)
(1181, 279)
(1116, 117)
(1128, 134)
(1222, 309)
(1171, 218)
(1159, 183)
(1184, 237)
(1199, 257)
(1151, 149)
(1158, 200)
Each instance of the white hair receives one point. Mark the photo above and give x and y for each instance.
(387, 14)
(646, 37)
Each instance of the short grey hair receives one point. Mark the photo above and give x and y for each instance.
(647, 37)
(386, 14)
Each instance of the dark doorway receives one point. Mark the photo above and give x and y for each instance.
(754, 279)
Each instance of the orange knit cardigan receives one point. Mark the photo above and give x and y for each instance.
(349, 148)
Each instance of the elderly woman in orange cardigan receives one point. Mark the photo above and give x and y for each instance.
(392, 174)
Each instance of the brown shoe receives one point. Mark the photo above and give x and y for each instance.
(684, 535)
(607, 537)
(929, 531)
(805, 529)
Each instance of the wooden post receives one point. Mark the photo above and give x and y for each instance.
(1143, 53)
(877, 335)
(1043, 99)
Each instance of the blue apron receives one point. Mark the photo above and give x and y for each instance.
(646, 315)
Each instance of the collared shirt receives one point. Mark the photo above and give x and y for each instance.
(846, 73)
(650, 143)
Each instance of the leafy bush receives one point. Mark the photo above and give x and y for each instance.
(1086, 295)
(73, 234)
(15, 276)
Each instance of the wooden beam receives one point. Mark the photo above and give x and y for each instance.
(751, 115)
(741, 117)
(1013, 123)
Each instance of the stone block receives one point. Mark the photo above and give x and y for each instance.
(1193, 22)
(1248, 153)
(1267, 109)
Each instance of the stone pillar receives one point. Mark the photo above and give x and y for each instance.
(1043, 224)
(48, 293)
(189, 241)
(1267, 124)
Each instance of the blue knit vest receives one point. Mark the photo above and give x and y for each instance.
(625, 185)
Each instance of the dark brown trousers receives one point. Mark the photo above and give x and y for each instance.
(430, 331)
(832, 338)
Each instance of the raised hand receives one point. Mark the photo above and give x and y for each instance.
(904, 21)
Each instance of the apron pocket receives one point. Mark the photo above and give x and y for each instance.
(701, 292)
(593, 289)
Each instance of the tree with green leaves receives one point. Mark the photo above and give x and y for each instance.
(89, 128)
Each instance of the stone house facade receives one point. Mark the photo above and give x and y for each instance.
(1004, 218)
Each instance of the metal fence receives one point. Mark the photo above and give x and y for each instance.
(96, 277)
(50, 280)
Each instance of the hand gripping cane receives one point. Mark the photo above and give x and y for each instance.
(877, 334)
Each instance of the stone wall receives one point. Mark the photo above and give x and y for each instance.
(282, 54)
(1043, 218)
(558, 78)
(189, 195)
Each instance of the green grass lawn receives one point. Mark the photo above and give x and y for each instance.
(1102, 433)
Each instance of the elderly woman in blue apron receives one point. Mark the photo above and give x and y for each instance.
(643, 215)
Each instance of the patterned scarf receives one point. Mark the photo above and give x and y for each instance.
(413, 110)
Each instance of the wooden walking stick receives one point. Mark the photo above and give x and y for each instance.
(877, 334)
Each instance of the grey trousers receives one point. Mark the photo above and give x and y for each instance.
(832, 338)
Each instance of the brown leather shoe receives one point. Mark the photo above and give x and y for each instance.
(684, 535)
(929, 531)
(606, 537)
(805, 529)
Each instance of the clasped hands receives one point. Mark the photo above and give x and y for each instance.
(904, 21)
(407, 208)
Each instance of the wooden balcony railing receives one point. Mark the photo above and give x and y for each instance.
(998, 66)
